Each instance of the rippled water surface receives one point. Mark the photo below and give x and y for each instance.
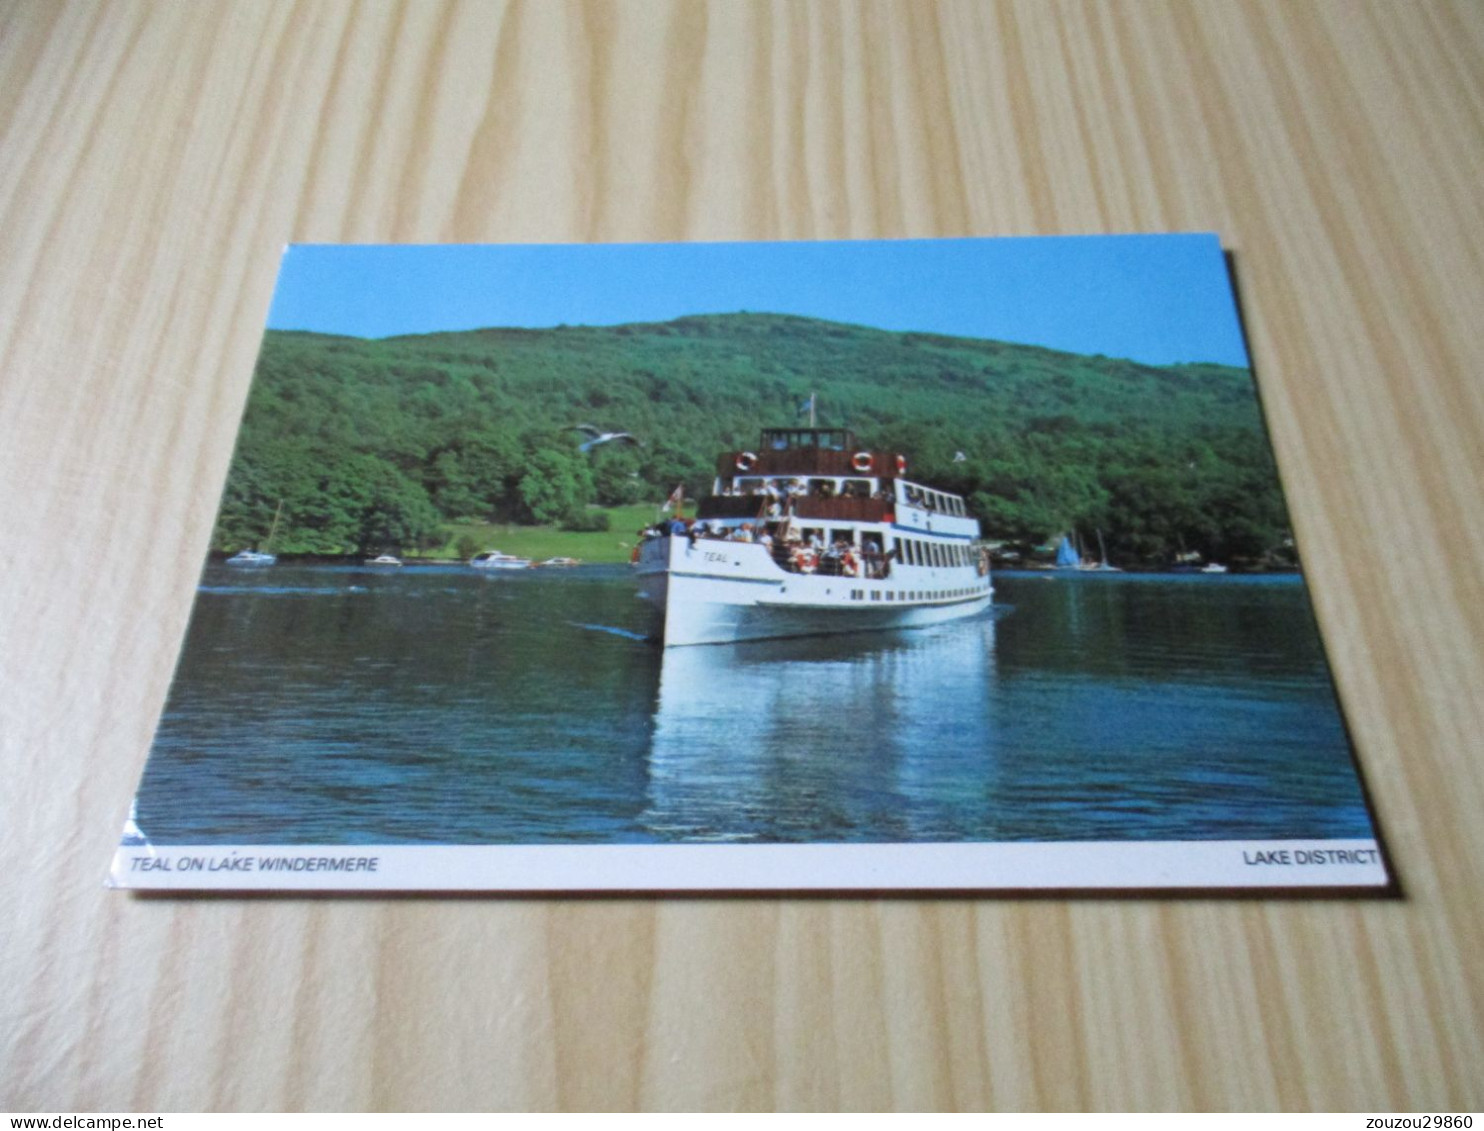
(439, 705)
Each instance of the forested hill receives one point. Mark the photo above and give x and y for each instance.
(372, 444)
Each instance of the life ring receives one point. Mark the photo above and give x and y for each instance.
(862, 461)
(901, 465)
(746, 461)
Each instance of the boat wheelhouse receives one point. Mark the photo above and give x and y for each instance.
(811, 534)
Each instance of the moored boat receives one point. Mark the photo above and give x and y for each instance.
(384, 560)
(810, 535)
(252, 558)
(494, 559)
(259, 557)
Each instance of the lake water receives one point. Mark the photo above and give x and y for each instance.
(437, 705)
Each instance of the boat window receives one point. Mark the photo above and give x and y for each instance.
(841, 536)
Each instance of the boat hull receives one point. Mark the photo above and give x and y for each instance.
(722, 592)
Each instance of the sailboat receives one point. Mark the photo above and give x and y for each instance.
(1100, 566)
(259, 557)
(1067, 556)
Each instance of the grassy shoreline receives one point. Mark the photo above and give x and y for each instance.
(540, 542)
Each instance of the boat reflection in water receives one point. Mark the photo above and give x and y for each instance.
(865, 738)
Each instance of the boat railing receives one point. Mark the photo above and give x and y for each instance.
(796, 557)
(804, 507)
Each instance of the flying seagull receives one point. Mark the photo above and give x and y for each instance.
(597, 436)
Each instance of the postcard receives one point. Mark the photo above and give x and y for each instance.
(840, 566)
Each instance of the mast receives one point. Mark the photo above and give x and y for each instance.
(273, 530)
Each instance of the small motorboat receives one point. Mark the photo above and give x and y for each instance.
(384, 560)
(493, 559)
(561, 563)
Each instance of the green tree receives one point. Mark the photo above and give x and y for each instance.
(557, 482)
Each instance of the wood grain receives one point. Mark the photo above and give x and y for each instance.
(154, 158)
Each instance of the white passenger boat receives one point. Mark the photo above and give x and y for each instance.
(810, 535)
(384, 560)
(493, 559)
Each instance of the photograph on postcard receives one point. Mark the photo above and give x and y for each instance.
(875, 565)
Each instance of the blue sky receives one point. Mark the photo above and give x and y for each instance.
(1156, 299)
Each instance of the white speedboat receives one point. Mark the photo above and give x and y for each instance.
(560, 563)
(1213, 567)
(811, 535)
(384, 560)
(493, 559)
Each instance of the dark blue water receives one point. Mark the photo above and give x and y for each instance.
(438, 705)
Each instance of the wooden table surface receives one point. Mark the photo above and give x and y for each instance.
(154, 158)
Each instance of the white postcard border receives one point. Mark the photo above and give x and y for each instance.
(1100, 865)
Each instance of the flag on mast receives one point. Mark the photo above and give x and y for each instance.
(807, 406)
(676, 500)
